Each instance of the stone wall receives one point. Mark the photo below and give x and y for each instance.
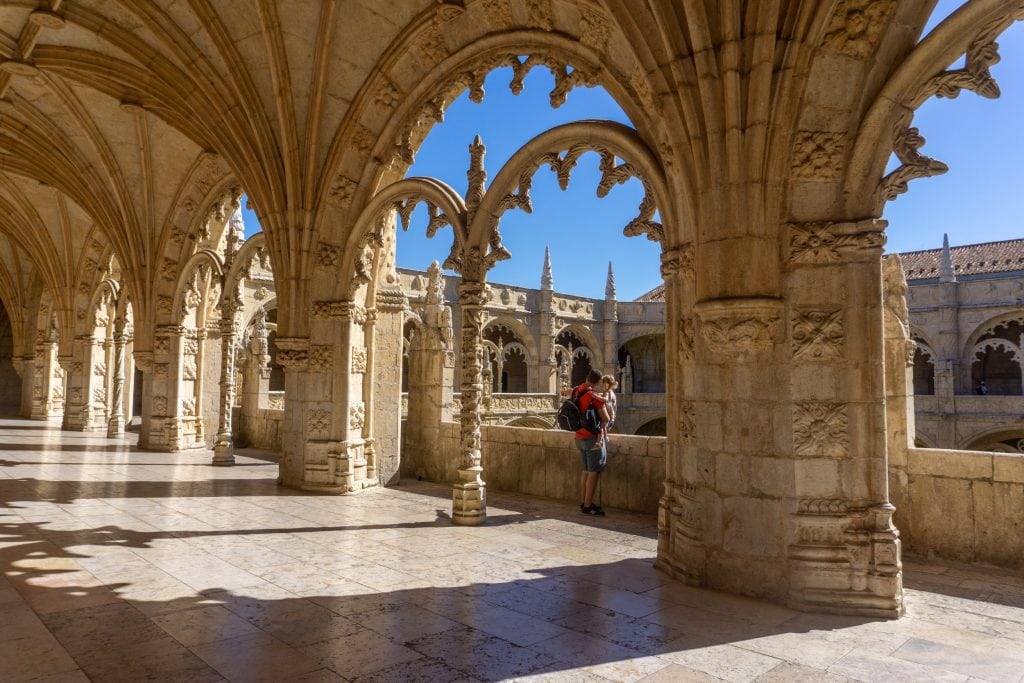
(262, 430)
(545, 462)
(961, 505)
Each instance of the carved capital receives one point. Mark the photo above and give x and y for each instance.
(739, 327)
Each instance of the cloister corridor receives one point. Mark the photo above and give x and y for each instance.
(126, 565)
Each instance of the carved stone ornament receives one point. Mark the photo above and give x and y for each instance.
(913, 165)
(357, 416)
(818, 155)
(686, 337)
(820, 429)
(328, 255)
(594, 28)
(160, 405)
(359, 359)
(292, 358)
(818, 335)
(826, 242)
(738, 327)
(318, 422)
(678, 260)
(687, 420)
(339, 310)
(321, 358)
(341, 192)
(857, 25)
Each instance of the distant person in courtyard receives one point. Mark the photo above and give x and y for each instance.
(590, 439)
(606, 390)
(982, 388)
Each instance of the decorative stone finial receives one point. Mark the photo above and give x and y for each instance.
(476, 175)
(946, 271)
(547, 280)
(609, 287)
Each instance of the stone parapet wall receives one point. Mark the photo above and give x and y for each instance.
(546, 463)
(262, 430)
(961, 505)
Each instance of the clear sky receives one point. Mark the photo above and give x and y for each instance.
(976, 201)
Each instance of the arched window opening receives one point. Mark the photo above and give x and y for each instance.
(508, 359)
(996, 370)
(656, 427)
(642, 365)
(924, 370)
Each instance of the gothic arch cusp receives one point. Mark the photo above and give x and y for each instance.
(560, 149)
(444, 206)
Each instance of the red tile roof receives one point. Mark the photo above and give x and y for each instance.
(970, 259)
(654, 296)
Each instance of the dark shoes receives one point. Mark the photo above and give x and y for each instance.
(593, 510)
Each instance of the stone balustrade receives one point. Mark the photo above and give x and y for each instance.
(961, 505)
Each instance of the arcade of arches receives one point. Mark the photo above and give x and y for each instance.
(761, 133)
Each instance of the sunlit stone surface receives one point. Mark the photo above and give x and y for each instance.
(126, 565)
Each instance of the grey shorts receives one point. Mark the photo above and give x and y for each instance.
(592, 460)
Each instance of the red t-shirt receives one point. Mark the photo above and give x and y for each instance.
(586, 398)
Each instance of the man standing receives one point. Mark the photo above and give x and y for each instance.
(591, 439)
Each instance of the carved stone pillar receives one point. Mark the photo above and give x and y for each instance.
(469, 503)
(843, 550)
(224, 448)
(116, 424)
(78, 370)
(383, 388)
(681, 542)
(144, 362)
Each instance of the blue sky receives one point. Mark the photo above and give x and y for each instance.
(976, 201)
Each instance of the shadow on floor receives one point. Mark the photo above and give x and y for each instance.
(557, 618)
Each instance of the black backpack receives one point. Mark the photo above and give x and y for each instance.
(571, 418)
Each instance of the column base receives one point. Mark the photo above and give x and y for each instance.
(469, 498)
(223, 453)
(115, 427)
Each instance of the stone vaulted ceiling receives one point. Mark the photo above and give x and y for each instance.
(121, 122)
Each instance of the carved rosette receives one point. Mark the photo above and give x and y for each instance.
(826, 242)
(328, 255)
(818, 155)
(856, 26)
(740, 327)
(820, 429)
(817, 335)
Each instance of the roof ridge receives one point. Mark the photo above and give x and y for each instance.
(962, 246)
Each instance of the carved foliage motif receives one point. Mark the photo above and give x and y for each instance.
(357, 416)
(913, 164)
(824, 242)
(818, 155)
(321, 358)
(820, 429)
(818, 335)
(857, 25)
(359, 359)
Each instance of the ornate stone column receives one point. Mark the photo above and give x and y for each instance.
(843, 551)
(469, 501)
(382, 389)
(116, 424)
(224, 448)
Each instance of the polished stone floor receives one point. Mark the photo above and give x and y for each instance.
(124, 565)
